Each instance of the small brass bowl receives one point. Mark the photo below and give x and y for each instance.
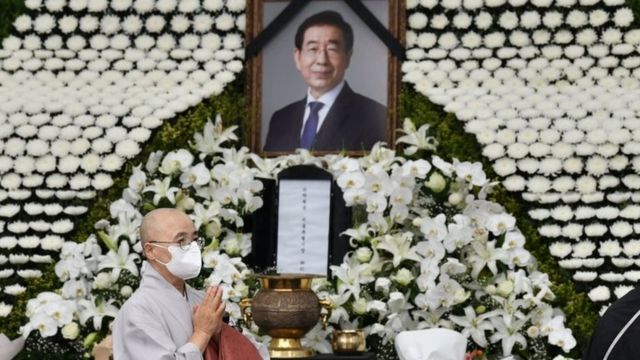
(348, 341)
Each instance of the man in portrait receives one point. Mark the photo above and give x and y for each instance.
(331, 117)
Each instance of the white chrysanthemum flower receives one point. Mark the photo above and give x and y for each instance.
(8, 242)
(508, 20)
(622, 262)
(598, 17)
(89, 23)
(166, 6)
(54, 5)
(439, 22)
(595, 230)
(132, 25)
(121, 5)
(560, 249)
(621, 229)
(609, 36)
(462, 20)
(56, 181)
(451, 4)
(631, 248)
(68, 24)
(203, 23)
(77, 5)
(530, 20)
(189, 41)
(79, 182)
(188, 6)
(29, 242)
(614, 2)
(418, 21)
(572, 231)
(600, 293)
(612, 277)
(18, 259)
(585, 276)
(110, 24)
(494, 39)
(552, 19)
(44, 23)
(519, 39)
(573, 165)
(586, 37)
(583, 249)
(33, 4)
(112, 162)
(610, 248)
(539, 214)
(571, 263)
(562, 213)
(11, 181)
(155, 23)
(514, 183)
(623, 17)
(550, 231)
(22, 23)
(236, 5)
(15, 289)
(469, 39)
(99, 42)
(213, 5)
(224, 22)
(143, 6)
(630, 212)
(102, 181)
(180, 24)
(607, 213)
(97, 6)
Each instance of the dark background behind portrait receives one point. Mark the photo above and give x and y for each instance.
(282, 84)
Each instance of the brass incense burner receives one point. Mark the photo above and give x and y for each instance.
(348, 341)
(286, 308)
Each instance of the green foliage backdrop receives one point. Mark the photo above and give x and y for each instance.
(454, 142)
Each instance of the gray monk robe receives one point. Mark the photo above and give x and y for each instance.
(156, 322)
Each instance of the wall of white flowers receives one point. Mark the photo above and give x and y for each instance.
(82, 85)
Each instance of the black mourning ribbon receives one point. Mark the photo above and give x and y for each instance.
(294, 7)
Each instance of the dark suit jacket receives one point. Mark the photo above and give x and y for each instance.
(620, 314)
(353, 123)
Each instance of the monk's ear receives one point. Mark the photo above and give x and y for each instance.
(148, 251)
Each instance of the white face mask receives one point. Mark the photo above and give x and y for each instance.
(185, 264)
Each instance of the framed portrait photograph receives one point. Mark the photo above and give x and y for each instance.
(323, 79)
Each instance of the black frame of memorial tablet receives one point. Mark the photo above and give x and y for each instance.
(264, 222)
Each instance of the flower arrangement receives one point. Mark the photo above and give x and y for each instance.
(432, 251)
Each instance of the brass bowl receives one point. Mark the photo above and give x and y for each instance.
(286, 308)
(348, 341)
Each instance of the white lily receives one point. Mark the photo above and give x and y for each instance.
(474, 325)
(120, 260)
(89, 309)
(416, 139)
(400, 247)
(162, 189)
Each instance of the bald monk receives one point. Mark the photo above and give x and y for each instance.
(166, 318)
